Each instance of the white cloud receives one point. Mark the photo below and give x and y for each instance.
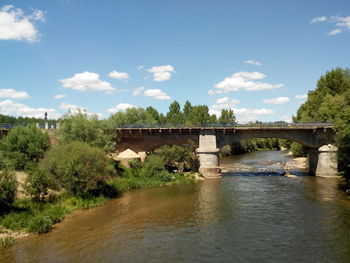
(224, 103)
(244, 114)
(243, 80)
(318, 19)
(341, 23)
(334, 32)
(157, 94)
(14, 25)
(302, 96)
(138, 91)
(161, 73)
(253, 62)
(71, 108)
(9, 107)
(119, 75)
(60, 96)
(278, 100)
(120, 107)
(87, 81)
(13, 94)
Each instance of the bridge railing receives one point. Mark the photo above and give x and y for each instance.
(220, 125)
(39, 125)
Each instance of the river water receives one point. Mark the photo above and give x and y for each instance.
(242, 217)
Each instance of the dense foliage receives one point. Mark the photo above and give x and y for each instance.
(8, 187)
(77, 167)
(330, 102)
(88, 129)
(23, 145)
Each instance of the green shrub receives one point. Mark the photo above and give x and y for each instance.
(38, 183)
(153, 165)
(8, 188)
(298, 150)
(56, 213)
(24, 144)
(40, 224)
(78, 167)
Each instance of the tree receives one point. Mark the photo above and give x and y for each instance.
(174, 115)
(330, 102)
(153, 112)
(187, 109)
(89, 129)
(8, 187)
(227, 117)
(77, 167)
(132, 116)
(38, 183)
(200, 115)
(24, 144)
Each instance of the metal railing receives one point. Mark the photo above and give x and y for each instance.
(170, 125)
(8, 126)
(219, 125)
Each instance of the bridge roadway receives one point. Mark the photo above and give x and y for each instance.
(319, 138)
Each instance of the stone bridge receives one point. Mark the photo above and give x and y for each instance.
(318, 138)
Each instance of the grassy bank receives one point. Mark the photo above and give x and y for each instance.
(27, 216)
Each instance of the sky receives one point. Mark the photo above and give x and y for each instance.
(257, 57)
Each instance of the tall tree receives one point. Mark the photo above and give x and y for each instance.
(200, 115)
(227, 117)
(174, 115)
(187, 109)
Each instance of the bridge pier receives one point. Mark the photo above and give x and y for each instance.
(323, 161)
(208, 154)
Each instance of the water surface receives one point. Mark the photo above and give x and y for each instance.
(239, 218)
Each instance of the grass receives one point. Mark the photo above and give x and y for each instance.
(6, 242)
(124, 184)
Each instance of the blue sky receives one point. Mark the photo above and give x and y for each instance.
(257, 57)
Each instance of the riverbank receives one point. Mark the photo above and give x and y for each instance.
(28, 217)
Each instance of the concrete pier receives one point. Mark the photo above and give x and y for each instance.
(323, 161)
(208, 154)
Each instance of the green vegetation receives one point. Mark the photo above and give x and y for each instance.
(330, 102)
(77, 167)
(8, 187)
(6, 242)
(88, 129)
(24, 145)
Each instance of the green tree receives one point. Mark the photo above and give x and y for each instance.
(89, 129)
(330, 102)
(174, 115)
(77, 167)
(8, 187)
(187, 109)
(38, 183)
(200, 115)
(24, 144)
(227, 117)
(132, 116)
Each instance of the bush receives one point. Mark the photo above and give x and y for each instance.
(24, 144)
(179, 158)
(298, 150)
(77, 167)
(40, 224)
(8, 188)
(38, 183)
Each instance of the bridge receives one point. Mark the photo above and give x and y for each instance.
(319, 138)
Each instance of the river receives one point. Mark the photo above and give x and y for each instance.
(242, 217)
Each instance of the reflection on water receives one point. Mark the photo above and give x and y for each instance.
(233, 219)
